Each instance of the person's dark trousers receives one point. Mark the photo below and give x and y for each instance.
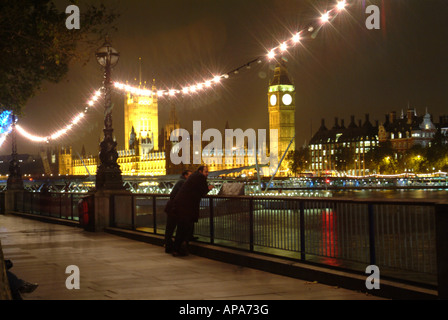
(171, 223)
(183, 234)
(14, 284)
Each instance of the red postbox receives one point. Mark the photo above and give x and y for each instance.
(86, 213)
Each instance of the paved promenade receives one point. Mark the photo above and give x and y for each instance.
(116, 268)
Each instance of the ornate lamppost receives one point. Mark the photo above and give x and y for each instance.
(108, 175)
(14, 181)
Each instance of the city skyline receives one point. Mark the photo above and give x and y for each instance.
(348, 70)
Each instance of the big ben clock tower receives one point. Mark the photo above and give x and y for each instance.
(282, 108)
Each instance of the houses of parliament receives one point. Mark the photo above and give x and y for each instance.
(148, 145)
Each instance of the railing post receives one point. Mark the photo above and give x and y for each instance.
(371, 234)
(441, 220)
(71, 206)
(23, 201)
(212, 225)
(251, 224)
(111, 211)
(133, 211)
(302, 230)
(15, 203)
(154, 208)
(2, 203)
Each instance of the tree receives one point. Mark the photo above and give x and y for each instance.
(382, 159)
(298, 160)
(414, 159)
(36, 46)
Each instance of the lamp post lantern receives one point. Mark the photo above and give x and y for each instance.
(108, 176)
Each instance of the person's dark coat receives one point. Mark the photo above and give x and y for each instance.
(177, 187)
(169, 209)
(187, 201)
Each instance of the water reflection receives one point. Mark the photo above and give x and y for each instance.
(422, 194)
(329, 238)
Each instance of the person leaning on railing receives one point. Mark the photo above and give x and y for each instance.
(169, 209)
(186, 208)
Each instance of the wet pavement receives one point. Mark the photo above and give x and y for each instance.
(116, 268)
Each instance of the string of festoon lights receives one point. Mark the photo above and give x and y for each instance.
(273, 53)
(296, 39)
(65, 129)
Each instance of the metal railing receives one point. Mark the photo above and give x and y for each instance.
(50, 204)
(398, 237)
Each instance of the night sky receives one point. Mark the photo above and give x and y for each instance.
(348, 70)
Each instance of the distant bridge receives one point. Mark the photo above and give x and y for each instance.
(164, 184)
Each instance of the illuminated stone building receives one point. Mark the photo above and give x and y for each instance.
(65, 161)
(341, 150)
(141, 155)
(330, 149)
(443, 126)
(407, 131)
(141, 122)
(147, 149)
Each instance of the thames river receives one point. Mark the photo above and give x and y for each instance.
(411, 194)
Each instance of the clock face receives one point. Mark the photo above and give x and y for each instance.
(273, 100)
(287, 99)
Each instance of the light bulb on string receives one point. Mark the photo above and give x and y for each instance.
(341, 5)
(283, 47)
(325, 17)
(296, 38)
(271, 54)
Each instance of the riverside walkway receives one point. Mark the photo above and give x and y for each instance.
(116, 268)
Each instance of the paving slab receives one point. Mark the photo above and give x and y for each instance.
(117, 268)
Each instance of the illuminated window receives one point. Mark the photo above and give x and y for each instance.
(338, 136)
